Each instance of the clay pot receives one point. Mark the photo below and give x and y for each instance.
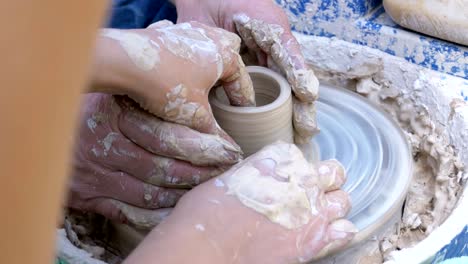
(255, 127)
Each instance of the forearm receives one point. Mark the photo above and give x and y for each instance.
(189, 236)
(178, 243)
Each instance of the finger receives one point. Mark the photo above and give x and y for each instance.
(331, 175)
(177, 141)
(125, 213)
(271, 64)
(235, 78)
(324, 239)
(249, 57)
(126, 156)
(175, 101)
(249, 41)
(278, 42)
(237, 83)
(171, 173)
(318, 201)
(262, 58)
(287, 54)
(280, 152)
(186, 111)
(126, 188)
(338, 204)
(206, 122)
(339, 233)
(245, 33)
(304, 121)
(200, 120)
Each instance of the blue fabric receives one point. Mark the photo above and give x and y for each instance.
(126, 14)
(458, 247)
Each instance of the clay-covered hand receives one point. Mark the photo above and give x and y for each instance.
(169, 70)
(127, 160)
(265, 30)
(273, 207)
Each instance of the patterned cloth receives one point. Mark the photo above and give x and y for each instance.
(456, 251)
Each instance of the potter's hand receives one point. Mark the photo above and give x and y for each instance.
(265, 30)
(126, 159)
(273, 207)
(169, 70)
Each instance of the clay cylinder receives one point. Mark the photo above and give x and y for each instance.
(255, 127)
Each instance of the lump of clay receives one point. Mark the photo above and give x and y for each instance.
(445, 19)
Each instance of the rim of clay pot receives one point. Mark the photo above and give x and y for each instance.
(284, 93)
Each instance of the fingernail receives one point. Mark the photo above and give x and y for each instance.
(306, 85)
(331, 174)
(232, 152)
(241, 18)
(229, 146)
(225, 139)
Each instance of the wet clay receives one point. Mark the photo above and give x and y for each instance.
(255, 127)
(433, 127)
(433, 192)
(407, 93)
(280, 196)
(259, 35)
(72, 254)
(180, 110)
(143, 52)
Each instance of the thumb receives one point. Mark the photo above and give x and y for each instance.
(234, 76)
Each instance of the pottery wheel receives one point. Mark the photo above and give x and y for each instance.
(371, 147)
(373, 150)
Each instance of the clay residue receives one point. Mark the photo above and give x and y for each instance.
(407, 93)
(436, 181)
(392, 84)
(68, 252)
(143, 52)
(190, 43)
(340, 19)
(182, 143)
(259, 35)
(86, 238)
(282, 196)
(142, 218)
(179, 110)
